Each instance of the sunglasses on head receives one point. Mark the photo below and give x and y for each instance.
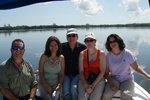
(110, 42)
(73, 35)
(16, 48)
(89, 40)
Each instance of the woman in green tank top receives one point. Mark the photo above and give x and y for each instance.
(51, 69)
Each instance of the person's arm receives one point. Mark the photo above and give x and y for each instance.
(110, 81)
(61, 77)
(139, 70)
(4, 81)
(102, 68)
(8, 94)
(33, 92)
(41, 67)
(82, 76)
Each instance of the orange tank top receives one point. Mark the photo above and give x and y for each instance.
(93, 65)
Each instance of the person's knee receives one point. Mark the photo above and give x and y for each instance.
(126, 95)
(74, 88)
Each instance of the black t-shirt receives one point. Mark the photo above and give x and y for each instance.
(72, 57)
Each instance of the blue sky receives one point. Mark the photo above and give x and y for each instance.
(78, 12)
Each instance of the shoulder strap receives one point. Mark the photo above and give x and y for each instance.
(98, 53)
(88, 57)
(84, 54)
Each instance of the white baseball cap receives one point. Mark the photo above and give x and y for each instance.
(90, 35)
(71, 31)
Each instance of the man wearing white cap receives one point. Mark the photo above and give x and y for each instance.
(71, 51)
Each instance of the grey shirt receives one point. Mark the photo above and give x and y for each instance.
(18, 81)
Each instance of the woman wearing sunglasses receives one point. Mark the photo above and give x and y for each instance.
(51, 68)
(92, 62)
(119, 75)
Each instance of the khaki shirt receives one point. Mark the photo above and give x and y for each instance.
(18, 81)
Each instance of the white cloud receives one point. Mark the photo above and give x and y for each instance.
(144, 18)
(99, 44)
(89, 7)
(142, 66)
(122, 18)
(137, 12)
(147, 11)
(133, 45)
(38, 54)
(132, 5)
(119, 5)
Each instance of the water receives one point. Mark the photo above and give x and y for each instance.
(136, 39)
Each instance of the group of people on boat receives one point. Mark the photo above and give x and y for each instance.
(77, 71)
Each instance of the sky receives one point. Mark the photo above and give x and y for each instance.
(78, 12)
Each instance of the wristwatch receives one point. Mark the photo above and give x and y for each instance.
(31, 98)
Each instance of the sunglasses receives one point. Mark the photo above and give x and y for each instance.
(16, 48)
(73, 35)
(89, 40)
(110, 42)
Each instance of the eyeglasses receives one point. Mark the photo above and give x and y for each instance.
(73, 35)
(16, 48)
(110, 42)
(89, 40)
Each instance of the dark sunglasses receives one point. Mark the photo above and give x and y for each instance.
(16, 48)
(89, 40)
(73, 35)
(110, 42)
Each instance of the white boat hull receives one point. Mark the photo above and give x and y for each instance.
(139, 94)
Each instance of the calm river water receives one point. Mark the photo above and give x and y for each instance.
(136, 39)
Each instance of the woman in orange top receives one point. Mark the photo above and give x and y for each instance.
(95, 62)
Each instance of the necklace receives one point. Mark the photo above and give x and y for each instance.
(53, 63)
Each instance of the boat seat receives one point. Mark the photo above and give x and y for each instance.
(117, 96)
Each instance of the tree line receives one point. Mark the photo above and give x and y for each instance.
(25, 27)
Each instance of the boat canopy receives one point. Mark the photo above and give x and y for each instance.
(11, 4)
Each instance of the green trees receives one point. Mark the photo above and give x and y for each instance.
(25, 27)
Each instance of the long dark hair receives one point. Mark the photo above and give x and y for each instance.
(118, 39)
(47, 48)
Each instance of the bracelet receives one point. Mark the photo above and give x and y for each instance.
(59, 84)
(31, 98)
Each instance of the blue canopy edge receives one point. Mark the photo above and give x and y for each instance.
(11, 4)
